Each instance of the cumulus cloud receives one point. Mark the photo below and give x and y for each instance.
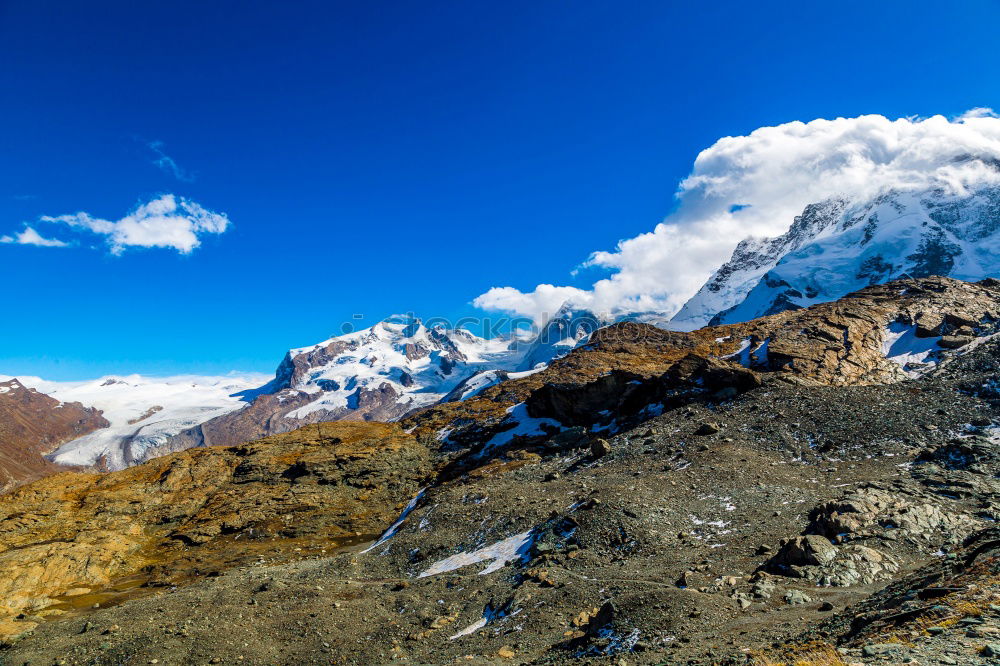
(165, 222)
(754, 185)
(28, 236)
(167, 164)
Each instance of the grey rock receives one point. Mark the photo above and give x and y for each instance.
(991, 650)
(877, 649)
(796, 598)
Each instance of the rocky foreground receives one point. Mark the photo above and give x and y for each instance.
(796, 489)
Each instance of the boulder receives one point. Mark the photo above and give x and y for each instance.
(600, 448)
(810, 550)
(814, 558)
(796, 598)
(954, 341)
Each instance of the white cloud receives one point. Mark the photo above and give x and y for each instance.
(167, 163)
(539, 304)
(31, 237)
(754, 185)
(166, 222)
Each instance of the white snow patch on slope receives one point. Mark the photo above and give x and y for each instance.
(389, 533)
(510, 549)
(525, 426)
(901, 345)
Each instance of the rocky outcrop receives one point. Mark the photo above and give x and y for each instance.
(629, 365)
(32, 425)
(871, 511)
(814, 558)
(622, 394)
(193, 513)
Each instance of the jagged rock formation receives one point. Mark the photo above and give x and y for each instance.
(32, 425)
(839, 246)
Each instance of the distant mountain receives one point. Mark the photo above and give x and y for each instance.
(569, 327)
(379, 373)
(33, 424)
(838, 246)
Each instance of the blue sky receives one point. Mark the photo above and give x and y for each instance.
(387, 157)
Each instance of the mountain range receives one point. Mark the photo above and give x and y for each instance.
(815, 482)
(399, 365)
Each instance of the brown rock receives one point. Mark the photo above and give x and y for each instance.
(600, 448)
(74, 530)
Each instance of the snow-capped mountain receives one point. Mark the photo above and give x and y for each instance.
(379, 373)
(389, 369)
(569, 327)
(839, 246)
(143, 412)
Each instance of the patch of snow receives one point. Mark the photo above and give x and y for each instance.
(512, 548)
(389, 533)
(524, 426)
(489, 615)
(901, 345)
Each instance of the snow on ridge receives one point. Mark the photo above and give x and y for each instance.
(838, 246)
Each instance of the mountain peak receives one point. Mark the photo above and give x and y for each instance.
(838, 246)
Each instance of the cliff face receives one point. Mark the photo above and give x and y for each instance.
(32, 425)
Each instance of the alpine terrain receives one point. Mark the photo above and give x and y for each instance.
(816, 486)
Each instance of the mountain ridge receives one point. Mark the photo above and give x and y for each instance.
(840, 245)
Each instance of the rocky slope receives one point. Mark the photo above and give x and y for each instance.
(881, 334)
(652, 496)
(32, 425)
(838, 246)
(70, 537)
